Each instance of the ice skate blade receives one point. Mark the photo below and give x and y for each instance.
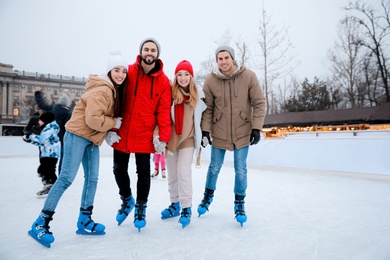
(124, 215)
(89, 233)
(121, 221)
(184, 225)
(241, 220)
(171, 216)
(139, 224)
(32, 234)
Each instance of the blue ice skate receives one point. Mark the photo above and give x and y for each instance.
(139, 215)
(40, 229)
(185, 217)
(172, 211)
(239, 210)
(205, 203)
(85, 224)
(126, 207)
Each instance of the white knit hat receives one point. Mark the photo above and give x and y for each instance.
(115, 59)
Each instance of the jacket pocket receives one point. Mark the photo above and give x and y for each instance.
(243, 124)
(220, 127)
(150, 123)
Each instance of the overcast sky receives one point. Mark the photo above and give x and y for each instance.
(73, 38)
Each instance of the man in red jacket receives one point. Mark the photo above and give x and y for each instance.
(145, 104)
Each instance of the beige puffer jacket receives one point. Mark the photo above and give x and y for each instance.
(235, 106)
(93, 115)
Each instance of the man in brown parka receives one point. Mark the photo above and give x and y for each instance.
(232, 121)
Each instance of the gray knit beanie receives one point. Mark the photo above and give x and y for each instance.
(64, 100)
(150, 39)
(224, 48)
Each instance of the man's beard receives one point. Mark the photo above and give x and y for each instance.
(148, 61)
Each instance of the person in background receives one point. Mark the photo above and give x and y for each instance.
(145, 105)
(185, 138)
(61, 112)
(232, 121)
(50, 147)
(93, 116)
(32, 126)
(159, 161)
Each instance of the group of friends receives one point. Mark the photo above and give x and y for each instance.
(136, 109)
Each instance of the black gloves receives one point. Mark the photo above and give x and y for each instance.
(255, 136)
(205, 139)
(26, 138)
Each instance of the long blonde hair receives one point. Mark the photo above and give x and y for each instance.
(177, 95)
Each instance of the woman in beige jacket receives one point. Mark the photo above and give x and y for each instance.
(93, 116)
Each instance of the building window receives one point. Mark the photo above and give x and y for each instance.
(29, 89)
(16, 101)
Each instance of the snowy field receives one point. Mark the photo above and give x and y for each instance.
(292, 213)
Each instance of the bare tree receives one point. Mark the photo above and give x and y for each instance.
(346, 58)
(276, 62)
(376, 29)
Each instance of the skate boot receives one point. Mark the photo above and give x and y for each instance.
(205, 203)
(139, 215)
(155, 174)
(126, 207)
(40, 229)
(43, 193)
(239, 210)
(172, 211)
(163, 174)
(85, 224)
(185, 217)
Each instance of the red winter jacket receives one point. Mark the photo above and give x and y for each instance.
(146, 103)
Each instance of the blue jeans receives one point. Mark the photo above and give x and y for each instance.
(217, 158)
(76, 150)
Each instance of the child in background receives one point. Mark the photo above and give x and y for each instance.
(50, 149)
(32, 126)
(159, 160)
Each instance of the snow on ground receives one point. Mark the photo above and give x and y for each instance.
(292, 214)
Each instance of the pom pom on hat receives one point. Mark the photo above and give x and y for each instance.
(47, 117)
(64, 100)
(150, 39)
(115, 59)
(184, 65)
(224, 48)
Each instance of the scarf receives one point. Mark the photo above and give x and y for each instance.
(179, 115)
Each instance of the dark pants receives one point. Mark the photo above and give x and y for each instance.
(121, 164)
(47, 170)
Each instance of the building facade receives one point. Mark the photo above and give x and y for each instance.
(17, 100)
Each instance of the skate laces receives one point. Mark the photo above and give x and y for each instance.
(140, 211)
(45, 227)
(239, 207)
(206, 200)
(125, 205)
(172, 209)
(186, 213)
(89, 221)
